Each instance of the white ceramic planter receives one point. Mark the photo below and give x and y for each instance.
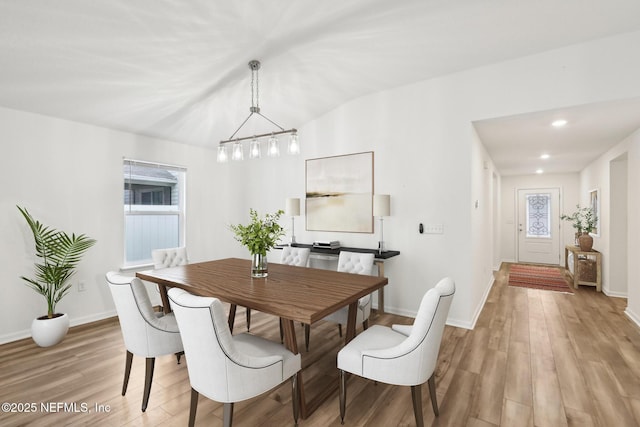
(47, 332)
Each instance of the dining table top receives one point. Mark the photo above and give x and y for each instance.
(297, 293)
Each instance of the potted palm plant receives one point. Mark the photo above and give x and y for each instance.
(259, 236)
(58, 255)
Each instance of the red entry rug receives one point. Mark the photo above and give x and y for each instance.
(538, 277)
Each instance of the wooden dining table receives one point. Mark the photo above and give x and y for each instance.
(295, 294)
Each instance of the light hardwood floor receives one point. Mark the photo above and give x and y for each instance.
(535, 358)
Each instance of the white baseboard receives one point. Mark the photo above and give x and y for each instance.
(399, 312)
(608, 292)
(457, 323)
(15, 336)
(480, 306)
(412, 314)
(634, 317)
(75, 321)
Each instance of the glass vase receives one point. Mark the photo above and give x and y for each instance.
(259, 266)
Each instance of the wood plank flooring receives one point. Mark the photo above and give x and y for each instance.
(535, 358)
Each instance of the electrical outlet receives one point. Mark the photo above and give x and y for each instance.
(81, 287)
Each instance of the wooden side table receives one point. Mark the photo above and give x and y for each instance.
(586, 266)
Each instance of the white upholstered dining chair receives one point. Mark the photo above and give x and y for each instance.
(292, 255)
(357, 263)
(169, 257)
(228, 368)
(145, 332)
(403, 354)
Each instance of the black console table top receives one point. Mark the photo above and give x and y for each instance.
(336, 252)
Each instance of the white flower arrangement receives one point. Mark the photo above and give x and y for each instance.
(584, 220)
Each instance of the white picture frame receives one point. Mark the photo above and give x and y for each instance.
(594, 204)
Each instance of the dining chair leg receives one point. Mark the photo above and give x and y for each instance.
(416, 395)
(343, 395)
(248, 319)
(295, 398)
(148, 377)
(193, 408)
(127, 371)
(307, 335)
(432, 392)
(227, 414)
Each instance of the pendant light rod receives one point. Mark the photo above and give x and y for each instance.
(244, 138)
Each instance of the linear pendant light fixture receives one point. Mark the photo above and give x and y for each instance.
(255, 151)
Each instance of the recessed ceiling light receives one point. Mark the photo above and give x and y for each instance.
(544, 156)
(559, 123)
(539, 171)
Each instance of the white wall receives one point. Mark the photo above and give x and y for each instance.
(598, 175)
(569, 185)
(633, 250)
(429, 160)
(427, 156)
(70, 177)
(618, 264)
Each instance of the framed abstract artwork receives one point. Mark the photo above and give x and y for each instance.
(339, 193)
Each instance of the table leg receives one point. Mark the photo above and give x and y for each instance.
(380, 265)
(576, 273)
(232, 316)
(351, 322)
(598, 273)
(166, 307)
(291, 343)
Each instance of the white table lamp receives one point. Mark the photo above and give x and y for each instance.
(381, 208)
(292, 209)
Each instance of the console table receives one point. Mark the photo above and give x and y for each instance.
(585, 268)
(327, 253)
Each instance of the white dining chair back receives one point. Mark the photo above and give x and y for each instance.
(295, 256)
(403, 354)
(146, 333)
(169, 257)
(356, 263)
(228, 368)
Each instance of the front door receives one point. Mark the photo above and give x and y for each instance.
(538, 226)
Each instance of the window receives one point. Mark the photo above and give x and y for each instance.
(539, 215)
(153, 209)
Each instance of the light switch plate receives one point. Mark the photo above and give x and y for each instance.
(434, 228)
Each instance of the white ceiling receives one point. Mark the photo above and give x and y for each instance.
(516, 143)
(178, 69)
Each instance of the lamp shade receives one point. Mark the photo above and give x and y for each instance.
(292, 207)
(381, 205)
